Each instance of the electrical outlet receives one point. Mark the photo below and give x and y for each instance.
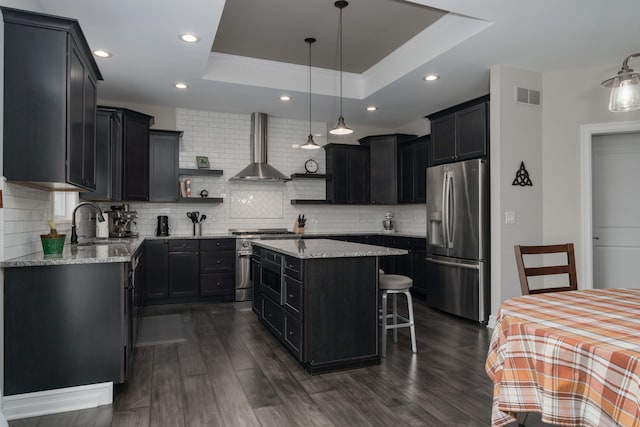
(510, 217)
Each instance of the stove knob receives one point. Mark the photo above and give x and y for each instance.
(246, 244)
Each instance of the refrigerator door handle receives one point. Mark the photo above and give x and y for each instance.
(453, 264)
(450, 209)
(445, 211)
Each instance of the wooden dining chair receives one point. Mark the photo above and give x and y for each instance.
(525, 272)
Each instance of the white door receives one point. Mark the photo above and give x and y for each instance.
(616, 210)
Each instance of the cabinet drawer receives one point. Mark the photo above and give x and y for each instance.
(273, 316)
(191, 245)
(217, 284)
(217, 262)
(293, 267)
(293, 296)
(272, 256)
(293, 335)
(217, 244)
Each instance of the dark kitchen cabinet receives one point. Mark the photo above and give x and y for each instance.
(347, 174)
(156, 254)
(123, 161)
(384, 167)
(184, 273)
(412, 170)
(217, 268)
(50, 84)
(460, 132)
(163, 165)
(65, 326)
(412, 265)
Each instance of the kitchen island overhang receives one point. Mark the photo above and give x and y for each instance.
(320, 299)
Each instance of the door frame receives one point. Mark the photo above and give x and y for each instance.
(587, 132)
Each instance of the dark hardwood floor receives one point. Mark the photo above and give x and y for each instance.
(232, 372)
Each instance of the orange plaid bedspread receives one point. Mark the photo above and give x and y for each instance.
(572, 356)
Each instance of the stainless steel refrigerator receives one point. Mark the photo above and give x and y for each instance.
(458, 239)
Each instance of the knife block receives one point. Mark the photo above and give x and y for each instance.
(297, 229)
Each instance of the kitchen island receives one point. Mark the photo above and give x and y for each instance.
(320, 299)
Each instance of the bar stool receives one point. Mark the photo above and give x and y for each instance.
(395, 284)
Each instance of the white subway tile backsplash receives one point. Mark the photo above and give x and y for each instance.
(225, 139)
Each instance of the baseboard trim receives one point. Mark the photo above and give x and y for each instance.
(54, 401)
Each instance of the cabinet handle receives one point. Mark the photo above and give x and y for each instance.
(217, 243)
(291, 333)
(269, 315)
(218, 284)
(290, 296)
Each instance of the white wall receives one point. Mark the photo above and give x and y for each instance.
(516, 134)
(572, 98)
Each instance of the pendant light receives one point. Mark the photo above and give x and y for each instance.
(310, 144)
(341, 128)
(625, 88)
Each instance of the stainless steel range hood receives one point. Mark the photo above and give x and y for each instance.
(259, 169)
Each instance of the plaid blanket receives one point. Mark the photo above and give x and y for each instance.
(572, 356)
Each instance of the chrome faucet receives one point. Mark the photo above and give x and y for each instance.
(74, 235)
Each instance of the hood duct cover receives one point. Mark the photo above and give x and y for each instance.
(259, 169)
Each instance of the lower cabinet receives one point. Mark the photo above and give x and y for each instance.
(181, 270)
(184, 278)
(217, 268)
(412, 265)
(66, 326)
(323, 310)
(156, 253)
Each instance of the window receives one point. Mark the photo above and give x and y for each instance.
(63, 204)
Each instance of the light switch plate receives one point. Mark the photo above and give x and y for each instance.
(510, 217)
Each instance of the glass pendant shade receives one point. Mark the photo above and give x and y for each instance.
(341, 128)
(625, 88)
(310, 144)
(625, 93)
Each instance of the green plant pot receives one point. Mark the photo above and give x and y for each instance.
(52, 245)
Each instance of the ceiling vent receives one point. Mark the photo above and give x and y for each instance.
(527, 96)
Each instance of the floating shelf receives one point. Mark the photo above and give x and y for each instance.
(200, 200)
(308, 176)
(308, 202)
(201, 172)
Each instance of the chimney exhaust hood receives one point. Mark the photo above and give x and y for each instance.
(259, 169)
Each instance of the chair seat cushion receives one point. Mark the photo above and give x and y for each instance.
(395, 282)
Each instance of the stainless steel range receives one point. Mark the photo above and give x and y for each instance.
(244, 281)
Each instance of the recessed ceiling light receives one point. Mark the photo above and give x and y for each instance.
(189, 38)
(102, 53)
(181, 85)
(285, 98)
(372, 108)
(432, 77)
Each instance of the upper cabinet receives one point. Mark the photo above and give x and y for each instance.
(347, 174)
(385, 168)
(163, 165)
(123, 155)
(460, 132)
(50, 81)
(412, 170)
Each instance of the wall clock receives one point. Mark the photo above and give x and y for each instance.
(311, 166)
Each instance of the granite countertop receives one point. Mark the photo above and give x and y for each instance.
(121, 250)
(364, 233)
(99, 252)
(325, 248)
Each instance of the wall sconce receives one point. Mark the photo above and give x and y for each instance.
(625, 88)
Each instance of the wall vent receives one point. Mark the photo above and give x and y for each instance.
(527, 96)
